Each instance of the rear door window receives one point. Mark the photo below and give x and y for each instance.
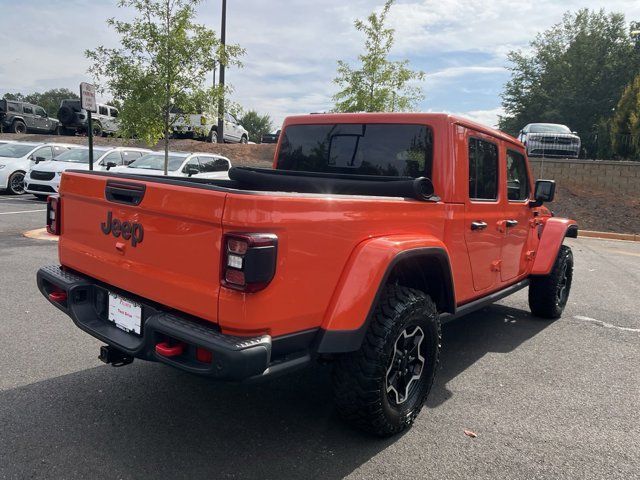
(362, 149)
(103, 110)
(483, 170)
(517, 177)
(27, 110)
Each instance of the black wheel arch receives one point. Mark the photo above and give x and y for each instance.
(426, 269)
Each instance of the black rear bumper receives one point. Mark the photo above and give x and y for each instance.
(233, 358)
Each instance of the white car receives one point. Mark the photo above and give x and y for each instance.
(44, 177)
(206, 127)
(4, 142)
(17, 158)
(181, 164)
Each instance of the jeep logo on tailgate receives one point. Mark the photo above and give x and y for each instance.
(129, 230)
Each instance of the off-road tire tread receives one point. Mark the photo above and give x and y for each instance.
(358, 377)
(542, 289)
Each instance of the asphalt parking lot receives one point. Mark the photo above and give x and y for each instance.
(546, 399)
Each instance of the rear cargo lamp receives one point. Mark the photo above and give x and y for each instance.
(53, 215)
(249, 261)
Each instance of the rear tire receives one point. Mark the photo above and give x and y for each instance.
(19, 127)
(548, 294)
(213, 136)
(244, 140)
(381, 387)
(42, 198)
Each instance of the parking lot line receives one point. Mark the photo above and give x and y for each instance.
(23, 211)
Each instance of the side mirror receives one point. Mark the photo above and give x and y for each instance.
(545, 192)
(110, 165)
(575, 133)
(192, 171)
(39, 159)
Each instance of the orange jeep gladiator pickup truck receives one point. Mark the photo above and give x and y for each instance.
(370, 231)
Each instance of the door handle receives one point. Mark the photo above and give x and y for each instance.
(511, 223)
(478, 225)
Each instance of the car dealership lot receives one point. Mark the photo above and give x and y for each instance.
(546, 399)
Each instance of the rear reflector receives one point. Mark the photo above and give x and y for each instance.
(203, 355)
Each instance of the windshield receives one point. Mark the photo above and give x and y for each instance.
(156, 162)
(360, 149)
(15, 150)
(79, 155)
(549, 128)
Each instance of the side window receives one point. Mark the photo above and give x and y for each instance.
(192, 163)
(517, 177)
(114, 112)
(40, 112)
(27, 110)
(12, 107)
(103, 110)
(44, 152)
(210, 164)
(114, 157)
(483, 170)
(130, 156)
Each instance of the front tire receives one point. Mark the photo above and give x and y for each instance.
(213, 136)
(16, 183)
(244, 140)
(381, 387)
(548, 294)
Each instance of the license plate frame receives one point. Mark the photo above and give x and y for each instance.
(124, 313)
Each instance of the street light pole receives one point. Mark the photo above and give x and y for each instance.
(223, 39)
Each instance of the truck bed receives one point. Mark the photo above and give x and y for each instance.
(178, 263)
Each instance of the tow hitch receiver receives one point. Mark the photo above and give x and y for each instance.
(114, 357)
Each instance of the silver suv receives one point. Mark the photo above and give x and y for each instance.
(73, 119)
(550, 140)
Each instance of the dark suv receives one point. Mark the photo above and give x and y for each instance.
(23, 117)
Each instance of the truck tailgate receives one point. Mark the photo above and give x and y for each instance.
(174, 256)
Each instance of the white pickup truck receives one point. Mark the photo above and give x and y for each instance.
(203, 126)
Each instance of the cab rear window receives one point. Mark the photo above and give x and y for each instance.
(360, 149)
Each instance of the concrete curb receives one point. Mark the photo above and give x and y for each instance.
(629, 237)
(40, 234)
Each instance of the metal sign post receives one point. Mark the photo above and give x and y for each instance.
(88, 103)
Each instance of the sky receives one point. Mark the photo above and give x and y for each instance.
(293, 45)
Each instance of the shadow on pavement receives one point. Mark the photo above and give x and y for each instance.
(149, 421)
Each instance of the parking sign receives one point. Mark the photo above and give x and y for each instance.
(88, 97)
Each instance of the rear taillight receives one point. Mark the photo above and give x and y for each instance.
(248, 260)
(53, 215)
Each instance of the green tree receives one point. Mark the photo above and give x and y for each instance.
(49, 100)
(574, 74)
(161, 67)
(625, 125)
(256, 124)
(377, 84)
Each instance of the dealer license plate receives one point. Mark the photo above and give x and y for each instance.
(125, 313)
